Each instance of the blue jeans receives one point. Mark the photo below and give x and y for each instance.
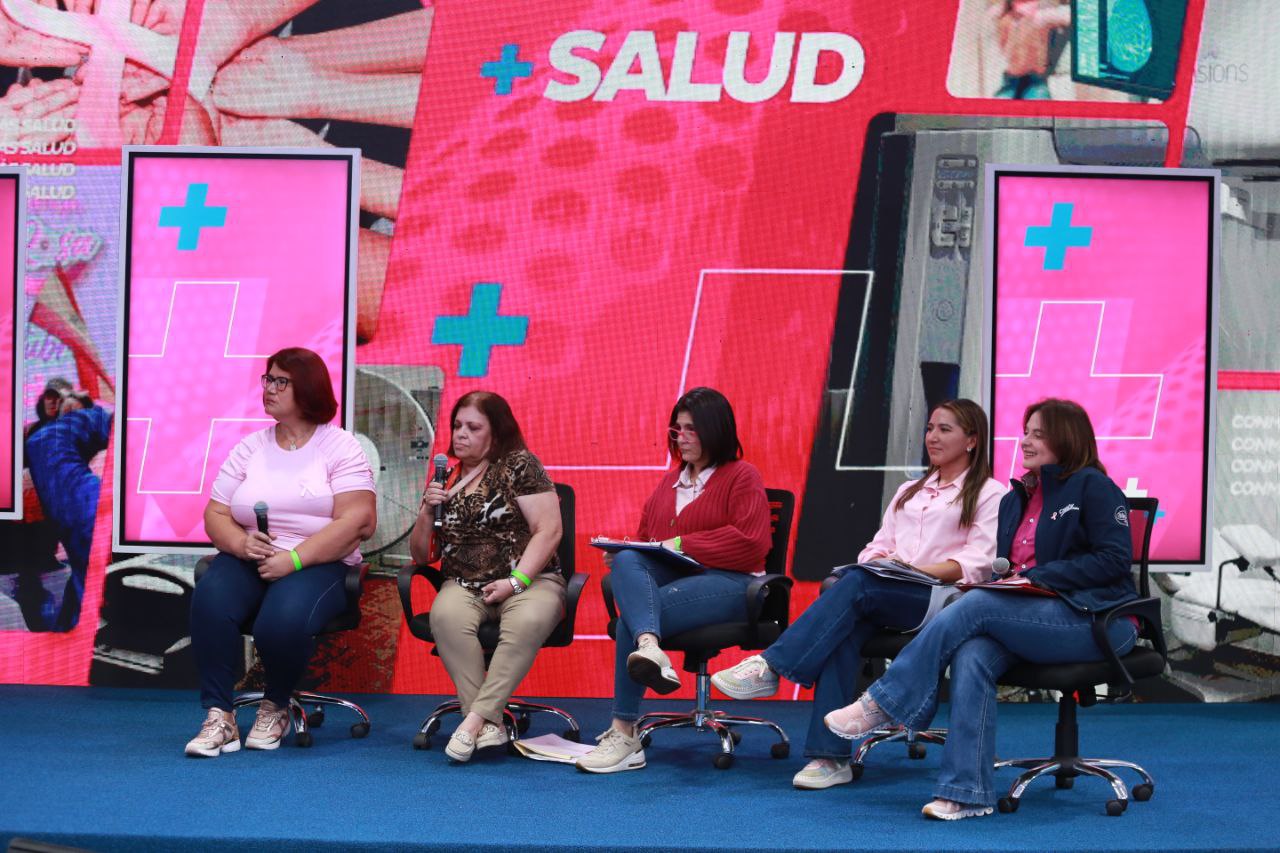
(1028, 87)
(654, 597)
(980, 636)
(824, 644)
(286, 614)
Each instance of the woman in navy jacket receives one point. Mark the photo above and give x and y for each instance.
(1064, 527)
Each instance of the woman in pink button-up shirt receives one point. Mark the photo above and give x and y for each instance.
(943, 524)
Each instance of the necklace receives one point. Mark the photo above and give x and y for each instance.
(293, 442)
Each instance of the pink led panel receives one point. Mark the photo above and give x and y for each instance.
(10, 344)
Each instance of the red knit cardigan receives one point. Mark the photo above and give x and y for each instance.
(725, 527)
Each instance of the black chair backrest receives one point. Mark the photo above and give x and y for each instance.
(1142, 519)
(782, 506)
(568, 527)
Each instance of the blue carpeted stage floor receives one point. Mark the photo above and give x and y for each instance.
(103, 769)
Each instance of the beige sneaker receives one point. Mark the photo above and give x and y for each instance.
(858, 719)
(650, 666)
(941, 809)
(217, 735)
(823, 773)
(616, 752)
(491, 734)
(270, 726)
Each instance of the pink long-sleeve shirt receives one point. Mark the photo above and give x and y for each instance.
(927, 528)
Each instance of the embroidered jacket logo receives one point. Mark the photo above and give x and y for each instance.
(576, 55)
(1064, 510)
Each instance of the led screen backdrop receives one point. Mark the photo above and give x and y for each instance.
(1102, 283)
(229, 256)
(12, 231)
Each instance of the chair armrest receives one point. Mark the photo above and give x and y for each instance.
(1146, 609)
(758, 591)
(606, 590)
(354, 581)
(404, 583)
(573, 592)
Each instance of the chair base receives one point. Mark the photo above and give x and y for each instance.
(1065, 770)
(703, 718)
(516, 720)
(895, 734)
(303, 722)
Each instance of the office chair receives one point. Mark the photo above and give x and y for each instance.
(518, 711)
(768, 606)
(1077, 681)
(348, 620)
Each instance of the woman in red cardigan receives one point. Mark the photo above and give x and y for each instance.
(711, 507)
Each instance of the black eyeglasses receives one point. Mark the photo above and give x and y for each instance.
(280, 382)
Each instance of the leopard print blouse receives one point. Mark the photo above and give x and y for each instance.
(484, 532)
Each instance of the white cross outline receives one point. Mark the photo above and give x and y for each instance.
(688, 351)
(1093, 371)
(164, 346)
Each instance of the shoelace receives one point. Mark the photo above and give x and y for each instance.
(269, 720)
(213, 726)
(753, 667)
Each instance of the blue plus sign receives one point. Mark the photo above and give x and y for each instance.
(192, 216)
(505, 70)
(480, 330)
(1058, 236)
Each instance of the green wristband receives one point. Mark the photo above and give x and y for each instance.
(297, 561)
(522, 577)
(675, 543)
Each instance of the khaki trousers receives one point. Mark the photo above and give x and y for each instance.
(524, 621)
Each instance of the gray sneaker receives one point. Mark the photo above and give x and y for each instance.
(823, 773)
(616, 752)
(750, 679)
(218, 734)
(650, 666)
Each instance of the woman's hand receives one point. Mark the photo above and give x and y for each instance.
(433, 496)
(276, 566)
(257, 546)
(496, 592)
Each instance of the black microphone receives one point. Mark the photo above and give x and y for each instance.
(260, 510)
(442, 464)
(1000, 567)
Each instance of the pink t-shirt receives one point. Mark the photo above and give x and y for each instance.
(297, 485)
(927, 528)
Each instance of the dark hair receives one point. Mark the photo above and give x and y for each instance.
(1068, 432)
(312, 387)
(713, 420)
(973, 420)
(55, 389)
(504, 432)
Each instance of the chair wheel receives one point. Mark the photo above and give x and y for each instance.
(522, 723)
(359, 729)
(915, 751)
(302, 739)
(422, 740)
(1007, 805)
(1143, 792)
(1115, 808)
(574, 735)
(736, 735)
(855, 771)
(723, 761)
(645, 740)
(1064, 781)
(316, 718)
(780, 750)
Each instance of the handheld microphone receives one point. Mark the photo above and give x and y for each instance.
(441, 463)
(1000, 567)
(260, 510)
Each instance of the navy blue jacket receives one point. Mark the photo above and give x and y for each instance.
(1084, 550)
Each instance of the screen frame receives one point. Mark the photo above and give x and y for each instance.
(130, 155)
(1211, 177)
(18, 174)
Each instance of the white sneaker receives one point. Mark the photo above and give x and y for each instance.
(616, 752)
(950, 810)
(269, 727)
(650, 666)
(823, 773)
(491, 734)
(750, 679)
